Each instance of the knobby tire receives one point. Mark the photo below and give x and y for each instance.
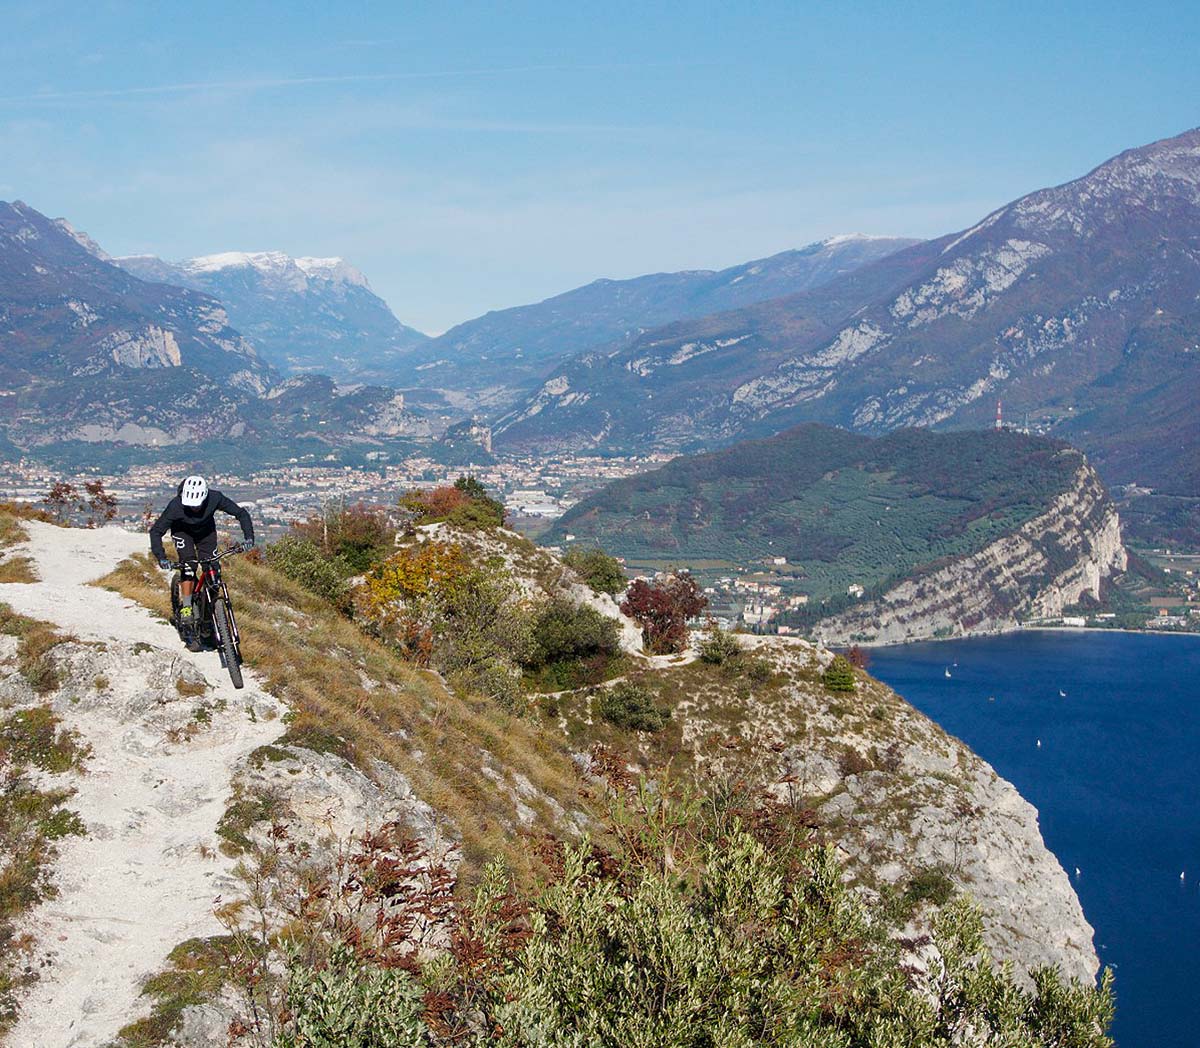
(225, 639)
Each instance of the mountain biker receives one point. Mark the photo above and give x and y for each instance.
(189, 516)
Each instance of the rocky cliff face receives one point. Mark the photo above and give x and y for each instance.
(1045, 565)
(900, 798)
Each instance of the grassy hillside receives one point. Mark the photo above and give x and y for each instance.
(841, 507)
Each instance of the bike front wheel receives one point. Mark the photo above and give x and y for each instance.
(233, 660)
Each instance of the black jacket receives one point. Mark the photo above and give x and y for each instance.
(198, 523)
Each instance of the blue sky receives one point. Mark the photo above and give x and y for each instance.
(469, 157)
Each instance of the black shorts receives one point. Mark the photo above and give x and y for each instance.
(190, 550)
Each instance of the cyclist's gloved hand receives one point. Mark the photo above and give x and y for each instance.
(164, 563)
(247, 545)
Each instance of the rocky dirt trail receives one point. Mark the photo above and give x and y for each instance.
(147, 874)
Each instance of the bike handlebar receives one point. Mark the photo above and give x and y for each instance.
(215, 557)
(223, 553)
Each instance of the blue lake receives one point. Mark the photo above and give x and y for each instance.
(1115, 782)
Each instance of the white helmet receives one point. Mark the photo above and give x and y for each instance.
(193, 491)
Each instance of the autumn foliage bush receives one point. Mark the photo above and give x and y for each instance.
(356, 537)
(465, 504)
(662, 608)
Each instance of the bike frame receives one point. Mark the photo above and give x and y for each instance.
(210, 586)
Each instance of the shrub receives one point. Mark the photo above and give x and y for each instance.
(760, 670)
(302, 561)
(695, 923)
(351, 1004)
(858, 657)
(662, 608)
(465, 504)
(932, 885)
(852, 762)
(601, 572)
(839, 675)
(631, 706)
(567, 631)
(354, 537)
(718, 646)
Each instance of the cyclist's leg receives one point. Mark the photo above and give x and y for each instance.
(206, 545)
(185, 550)
(206, 548)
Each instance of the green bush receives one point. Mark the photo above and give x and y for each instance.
(839, 675)
(349, 1004)
(718, 646)
(564, 631)
(679, 925)
(360, 536)
(932, 884)
(631, 706)
(751, 950)
(601, 572)
(303, 562)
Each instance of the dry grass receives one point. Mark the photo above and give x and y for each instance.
(18, 568)
(354, 696)
(35, 642)
(26, 511)
(15, 567)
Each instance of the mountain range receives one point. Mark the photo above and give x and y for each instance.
(301, 314)
(1076, 306)
(90, 353)
(492, 362)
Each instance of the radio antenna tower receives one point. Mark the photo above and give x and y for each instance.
(999, 419)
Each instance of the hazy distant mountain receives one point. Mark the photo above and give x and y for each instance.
(492, 359)
(301, 314)
(88, 352)
(1077, 305)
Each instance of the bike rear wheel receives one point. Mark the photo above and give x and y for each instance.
(233, 660)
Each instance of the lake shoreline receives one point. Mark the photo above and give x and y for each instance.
(1014, 630)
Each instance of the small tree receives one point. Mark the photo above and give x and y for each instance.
(361, 535)
(465, 504)
(839, 675)
(61, 499)
(858, 658)
(101, 505)
(662, 609)
(601, 572)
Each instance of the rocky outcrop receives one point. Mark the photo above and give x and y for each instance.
(902, 800)
(1045, 565)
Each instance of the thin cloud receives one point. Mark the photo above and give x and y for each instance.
(188, 87)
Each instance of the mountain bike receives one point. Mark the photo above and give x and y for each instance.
(212, 612)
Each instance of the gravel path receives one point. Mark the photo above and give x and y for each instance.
(147, 874)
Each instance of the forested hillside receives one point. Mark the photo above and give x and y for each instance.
(841, 507)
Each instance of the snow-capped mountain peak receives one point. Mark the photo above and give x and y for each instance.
(851, 238)
(278, 264)
(304, 314)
